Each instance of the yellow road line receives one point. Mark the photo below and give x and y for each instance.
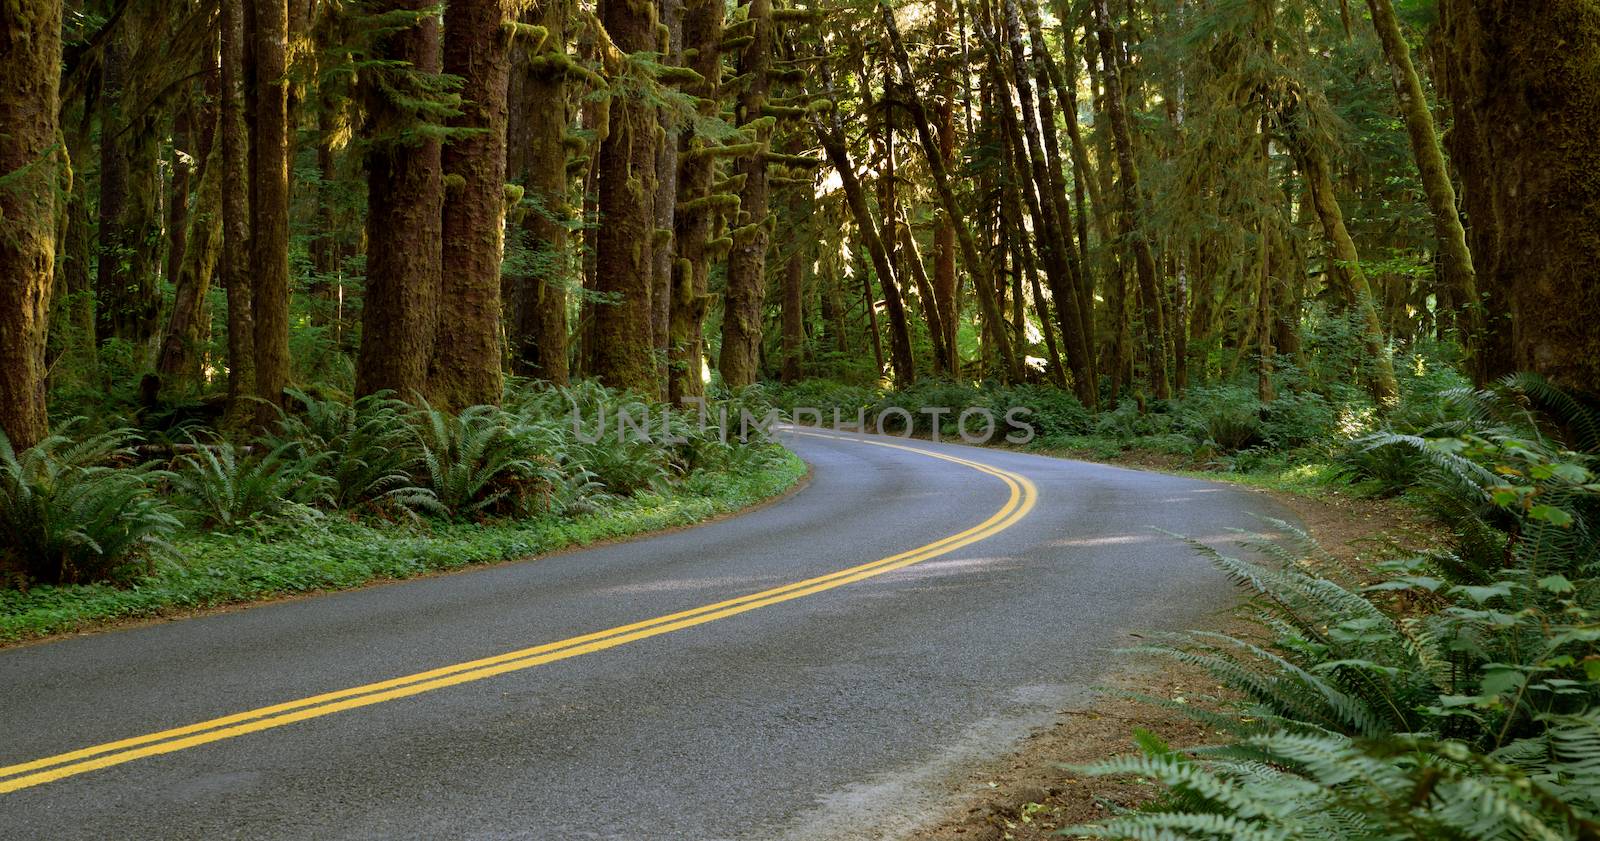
(1022, 499)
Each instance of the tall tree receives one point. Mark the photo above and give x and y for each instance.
(404, 197)
(537, 293)
(982, 279)
(1524, 83)
(747, 261)
(465, 369)
(621, 349)
(269, 204)
(1133, 211)
(33, 171)
(694, 218)
(235, 142)
(1460, 283)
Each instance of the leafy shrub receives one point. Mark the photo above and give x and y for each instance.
(1052, 411)
(1476, 717)
(484, 462)
(69, 512)
(220, 487)
(366, 450)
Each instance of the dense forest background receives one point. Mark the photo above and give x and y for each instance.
(208, 202)
(299, 294)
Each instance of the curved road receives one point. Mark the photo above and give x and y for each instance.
(636, 690)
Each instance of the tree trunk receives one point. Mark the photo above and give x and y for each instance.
(465, 369)
(404, 222)
(1052, 227)
(666, 201)
(538, 297)
(747, 261)
(941, 180)
(832, 138)
(692, 220)
(1133, 211)
(621, 347)
(937, 333)
(1459, 279)
(1524, 83)
(269, 207)
(179, 361)
(1356, 290)
(32, 172)
(945, 286)
(235, 274)
(794, 316)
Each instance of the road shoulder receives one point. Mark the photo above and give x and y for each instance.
(1027, 794)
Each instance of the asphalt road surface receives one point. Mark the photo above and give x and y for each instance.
(684, 686)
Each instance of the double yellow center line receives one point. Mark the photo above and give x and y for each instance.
(48, 769)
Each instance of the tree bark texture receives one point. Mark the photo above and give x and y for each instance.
(34, 171)
(465, 369)
(404, 225)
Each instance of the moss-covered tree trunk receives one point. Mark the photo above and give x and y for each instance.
(32, 172)
(945, 284)
(832, 137)
(697, 210)
(793, 335)
(404, 195)
(179, 359)
(1459, 280)
(747, 260)
(982, 279)
(465, 369)
(1347, 268)
(537, 294)
(1523, 80)
(235, 260)
(664, 254)
(1049, 210)
(620, 347)
(269, 206)
(911, 257)
(1133, 216)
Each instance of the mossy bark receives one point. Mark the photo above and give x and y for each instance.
(1354, 287)
(747, 261)
(793, 335)
(179, 360)
(1459, 281)
(34, 171)
(1523, 80)
(404, 226)
(235, 268)
(1049, 209)
(620, 347)
(982, 279)
(832, 137)
(693, 222)
(1150, 298)
(465, 367)
(536, 300)
(269, 206)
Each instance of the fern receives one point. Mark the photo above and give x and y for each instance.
(79, 511)
(222, 489)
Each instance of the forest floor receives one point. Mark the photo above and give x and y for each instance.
(1032, 793)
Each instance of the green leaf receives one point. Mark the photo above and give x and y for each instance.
(1556, 584)
(1551, 514)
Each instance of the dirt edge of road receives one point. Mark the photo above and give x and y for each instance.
(1028, 795)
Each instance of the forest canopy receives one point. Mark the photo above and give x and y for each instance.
(215, 201)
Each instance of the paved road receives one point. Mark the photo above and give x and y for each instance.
(827, 711)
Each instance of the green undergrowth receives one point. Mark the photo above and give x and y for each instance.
(282, 559)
